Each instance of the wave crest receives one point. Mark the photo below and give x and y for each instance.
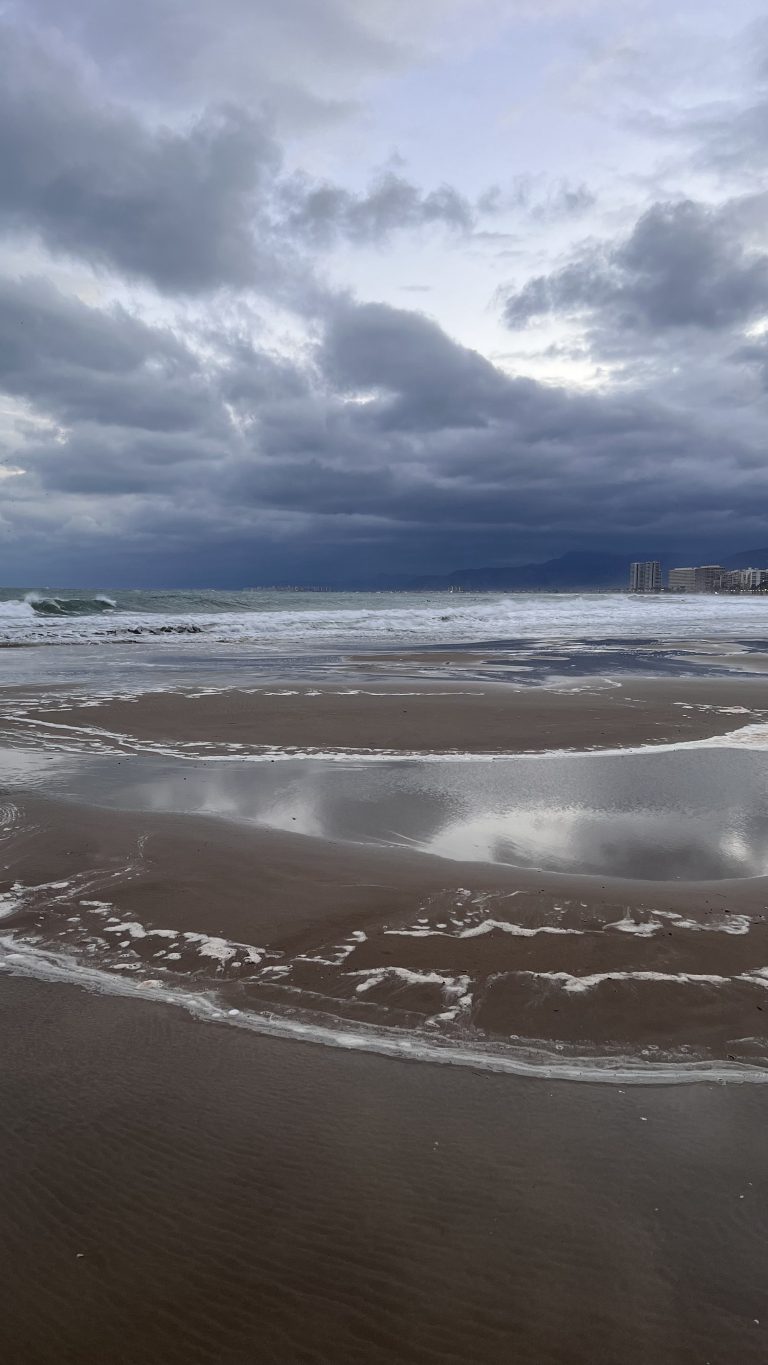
(69, 606)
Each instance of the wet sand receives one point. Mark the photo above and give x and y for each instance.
(188, 1189)
(564, 971)
(413, 716)
(177, 1193)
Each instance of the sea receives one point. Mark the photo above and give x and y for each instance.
(112, 640)
(276, 620)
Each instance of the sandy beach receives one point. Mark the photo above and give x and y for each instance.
(139, 838)
(390, 1015)
(412, 716)
(175, 1192)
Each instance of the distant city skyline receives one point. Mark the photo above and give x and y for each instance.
(646, 577)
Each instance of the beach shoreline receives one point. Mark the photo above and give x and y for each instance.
(413, 716)
(314, 1054)
(372, 932)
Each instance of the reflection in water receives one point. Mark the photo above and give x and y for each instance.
(691, 815)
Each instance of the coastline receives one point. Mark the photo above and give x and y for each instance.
(338, 1092)
(413, 716)
(344, 930)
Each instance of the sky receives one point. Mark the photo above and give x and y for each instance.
(298, 291)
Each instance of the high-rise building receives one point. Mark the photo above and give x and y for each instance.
(752, 580)
(645, 576)
(732, 580)
(708, 577)
(682, 580)
(714, 578)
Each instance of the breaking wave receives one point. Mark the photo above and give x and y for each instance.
(69, 606)
(25, 611)
(276, 620)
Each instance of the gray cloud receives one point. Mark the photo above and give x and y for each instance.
(174, 206)
(191, 207)
(306, 59)
(392, 437)
(541, 202)
(323, 214)
(727, 134)
(681, 266)
(426, 377)
(76, 363)
(727, 138)
(116, 461)
(372, 433)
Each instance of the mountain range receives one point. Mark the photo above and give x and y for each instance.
(577, 570)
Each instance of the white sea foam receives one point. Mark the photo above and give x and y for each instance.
(9, 902)
(219, 948)
(124, 933)
(338, 953)
(642, 928)
(577, 985)
(25, 961)
(728, 924)
(277, 621)
(376, 975)
(486, 926)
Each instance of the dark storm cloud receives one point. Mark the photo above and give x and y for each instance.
(392, 431)
(429, 379)
(191, 207)
(393, 444)
(176, 207)
(96, 461)
(76, 363)
(372, 434)
(682, 265)
(753, 357)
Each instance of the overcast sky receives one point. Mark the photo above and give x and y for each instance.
(311, 290)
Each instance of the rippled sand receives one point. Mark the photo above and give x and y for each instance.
(183, 1194)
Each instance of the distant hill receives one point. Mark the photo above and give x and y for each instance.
(578, 569)
(747, 559)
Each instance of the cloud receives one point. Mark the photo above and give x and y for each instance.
(682, 266)
(392, 440)
(76, 363)
(322, 214)
(179, 433)
(729, 137)
(727, 132)
(174, 206)
(308, 60)
(542, 203)
(192, 207)
(424, 377)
